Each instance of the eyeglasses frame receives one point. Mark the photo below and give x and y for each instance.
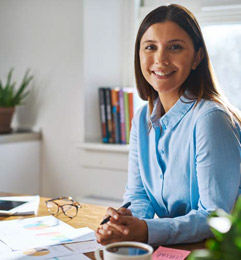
(74, 203)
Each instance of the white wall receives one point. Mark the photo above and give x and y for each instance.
(72, 47)
(46, 36)
(108, 53)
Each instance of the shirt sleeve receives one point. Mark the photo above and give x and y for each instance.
(217, 160)
(141, 206)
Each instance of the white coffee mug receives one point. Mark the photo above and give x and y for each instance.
(127, 250)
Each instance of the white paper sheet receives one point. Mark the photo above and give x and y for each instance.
(20, 256)
(72, 257)
(4, 249)
(38, 253)
(83, 247)
(84, 234)
(66, 251)
(36, 232)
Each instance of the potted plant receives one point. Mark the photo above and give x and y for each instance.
(11, 97)
(226, 244)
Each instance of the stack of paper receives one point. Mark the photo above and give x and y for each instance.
(44, 238)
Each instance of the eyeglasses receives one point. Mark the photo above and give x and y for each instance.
(69, 209)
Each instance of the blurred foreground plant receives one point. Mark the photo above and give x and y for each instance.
(226, 244)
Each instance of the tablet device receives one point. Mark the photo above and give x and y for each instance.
(9, 207)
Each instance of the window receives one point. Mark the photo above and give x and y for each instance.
(223, 44)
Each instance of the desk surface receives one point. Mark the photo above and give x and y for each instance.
(89, 216)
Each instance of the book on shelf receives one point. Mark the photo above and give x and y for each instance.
(127, 122)
(131, 107)
(116, 113)
(103, 120)
(109, 115)
(122, 117)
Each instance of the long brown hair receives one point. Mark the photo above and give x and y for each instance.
(200, 82)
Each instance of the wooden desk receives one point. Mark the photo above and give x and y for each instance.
(89, 216)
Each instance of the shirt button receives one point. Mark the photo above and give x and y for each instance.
(161, 176)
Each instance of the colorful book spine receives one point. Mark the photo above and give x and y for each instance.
(131, 107)
(122, 116)
(109, 115)
(103, 117)
(115, 115)
(126, 107)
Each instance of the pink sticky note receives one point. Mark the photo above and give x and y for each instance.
(165, 253)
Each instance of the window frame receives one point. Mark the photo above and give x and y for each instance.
(205, 14)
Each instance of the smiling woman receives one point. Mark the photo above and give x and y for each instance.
(185, 145)
(167, 56)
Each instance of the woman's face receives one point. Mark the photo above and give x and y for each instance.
(167, 56)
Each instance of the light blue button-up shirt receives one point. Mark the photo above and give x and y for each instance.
(186, 166)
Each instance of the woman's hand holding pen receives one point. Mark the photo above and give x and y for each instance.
(122, 226)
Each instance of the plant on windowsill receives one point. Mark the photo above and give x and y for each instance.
(226, 244)
(10, 98)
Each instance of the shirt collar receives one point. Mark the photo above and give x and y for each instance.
(174, 115)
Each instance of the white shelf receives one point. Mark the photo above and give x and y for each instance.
(95, 146)
(14, 137)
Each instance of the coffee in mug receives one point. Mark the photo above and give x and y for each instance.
(125, 250)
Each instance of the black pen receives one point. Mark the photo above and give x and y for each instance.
(127, 205)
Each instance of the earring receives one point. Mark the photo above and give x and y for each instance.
(194, 65)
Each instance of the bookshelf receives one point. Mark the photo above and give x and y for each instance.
(108, 62)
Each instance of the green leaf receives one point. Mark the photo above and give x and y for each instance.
(237, 210)
(9, 78)
(212, 244)
(25, 82)
(219, 236)
(8, 96)
(238, 226)
(237, 242)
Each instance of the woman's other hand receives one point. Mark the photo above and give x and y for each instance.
(113, 213)
(122, 227)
